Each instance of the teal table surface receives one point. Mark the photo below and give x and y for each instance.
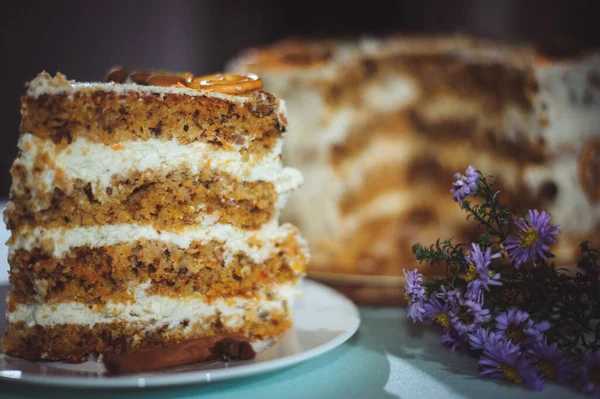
(389, 357)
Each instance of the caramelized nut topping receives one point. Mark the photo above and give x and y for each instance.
(229, 83)
(222, 83)
(141, 77)
(117, 75)
(589, 169)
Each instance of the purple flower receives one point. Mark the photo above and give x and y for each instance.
(516, 325)
(478, 263)
(437, 311)
(479, 338)
(503, 359)
(466, 315)
(550, 363)
(416, 310)
(534, 239)
(474, 291)
(465, 185)
(414, 292)
(451, 296)
(590, 372)
(413, 289)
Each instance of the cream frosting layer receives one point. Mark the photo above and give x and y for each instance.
(385, 205)
(391, 93)
(257, 244)
(393, 152)
(155, 310)
(98, 163)
(569, 100)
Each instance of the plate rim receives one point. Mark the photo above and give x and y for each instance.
(201, 376)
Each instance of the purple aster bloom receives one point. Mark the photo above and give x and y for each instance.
(437, 311)
(590, 372)
(480, 337)
(467, 315)
(414, 292)
(474, 291)
(416, 310)
(413, 289)
(550, 363)
(465, 185)
(503, 359)
(451, 296)
(478, 264)
(534, 239)
(517, 326)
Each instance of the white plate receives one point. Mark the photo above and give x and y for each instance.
(323, 319)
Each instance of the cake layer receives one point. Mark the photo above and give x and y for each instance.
(111, 113)
(490, 97)
(164, 201)
(71, 331)
(73, 343)
(105, 174)
(489, 131)
(99, 274)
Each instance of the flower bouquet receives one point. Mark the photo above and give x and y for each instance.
(504, 301)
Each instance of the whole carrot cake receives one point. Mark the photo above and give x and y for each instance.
(145, 211)
(379, 126)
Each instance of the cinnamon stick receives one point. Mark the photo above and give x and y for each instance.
(226, 347)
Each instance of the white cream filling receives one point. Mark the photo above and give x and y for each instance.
(98, 163)
(394, 152)
(391, 93)
(442, 108)
(569, 103)
(257, 244)
(387, 204)
(314, 130)
(155, 310)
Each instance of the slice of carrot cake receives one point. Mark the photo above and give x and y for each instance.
(145, 211)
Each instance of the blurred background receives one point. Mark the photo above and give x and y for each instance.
(83, 39)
